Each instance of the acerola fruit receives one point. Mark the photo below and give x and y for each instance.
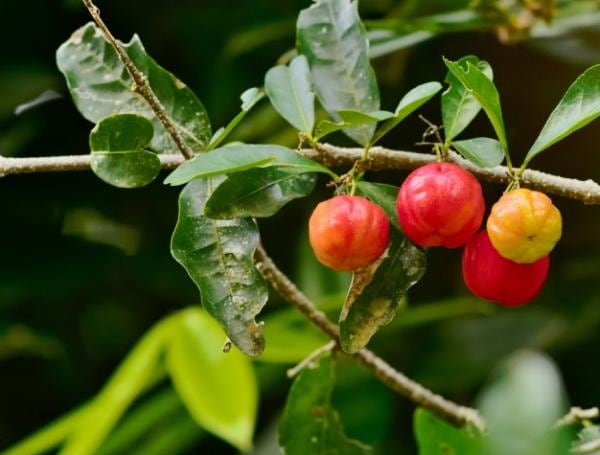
(348, 232)
(490, 276)
(524, 225)
(440, 204)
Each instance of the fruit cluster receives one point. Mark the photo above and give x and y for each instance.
(441, 204)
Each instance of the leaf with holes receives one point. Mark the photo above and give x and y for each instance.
(218, 256)
(309, 424)
(377, 291)
(459, 106)
(333, 39)
(118, 150)
(100, 86)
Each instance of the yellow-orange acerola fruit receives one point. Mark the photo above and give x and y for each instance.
(524, 225)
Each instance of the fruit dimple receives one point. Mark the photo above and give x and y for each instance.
(348, 232)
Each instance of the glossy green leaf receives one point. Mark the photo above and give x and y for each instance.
(118, 150)
(375, 295)
(258, 193)
(521, 406)
(290, 337)
(309, 424)
(384, 196)
(579, 106)
(218, 389)
(218, 256)
(249, 99)
(409, 103)
(100, 86)
(289, 89)
(478, 84)
(483, 151)
(459, 107)
(349, 119)
(240, 157)
(587, 436)
(135, 373)
(436, 437)
(333, 39)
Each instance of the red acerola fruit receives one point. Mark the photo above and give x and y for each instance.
(490, 276)
(348, 232)
(440, 204)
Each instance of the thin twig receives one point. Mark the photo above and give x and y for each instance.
(577, 414)
(141, 85)
(310, 358)
(448, 410)
(588, 447)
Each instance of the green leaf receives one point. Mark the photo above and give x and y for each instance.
(249, 98)
(409, 103)
(375, 295)
(290, 337)
(132, 377)
(309, 424)
(333, 39)
(240, 157)
(350, 119)
(218, 389)
(384, 196)
(436, 437)
(521, 406)
(218, 256)
(258, 193)
(483, 151)
(587, 435)
(459, 107)
(118, 155)
(478, 84)
(289, 89)
(100, 86)
(579, 106)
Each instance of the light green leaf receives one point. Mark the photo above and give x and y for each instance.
(290, 337)
(350, 119)
(258, 193)
(483, 151)
(249, 98)
(484, 91)
(118, 151)
(289, 89)
(409, 103)
(579, 106)
(218, 389)
(384, 196)
(333, 39)
(100, 86)
(521, 406)
(459, 107)
(436, 437)
(377, 292)
(240, 157)
(309, 424)
(218, 256)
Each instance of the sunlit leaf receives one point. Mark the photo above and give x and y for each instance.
(309, 424)
(218, 389)
(218, 256)
(118, 151)
(333, 39)
(437, 437)
(483, 151)
(100, 86)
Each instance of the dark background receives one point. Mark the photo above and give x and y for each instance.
(86, 268)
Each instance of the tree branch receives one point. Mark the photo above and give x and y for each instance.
(449, 411)
(380, 159)
(141, 85)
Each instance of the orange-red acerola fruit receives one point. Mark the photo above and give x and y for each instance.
(492, 277)
(440, 204)
(348, 232)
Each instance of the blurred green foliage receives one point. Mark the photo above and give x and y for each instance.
(86, 268)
